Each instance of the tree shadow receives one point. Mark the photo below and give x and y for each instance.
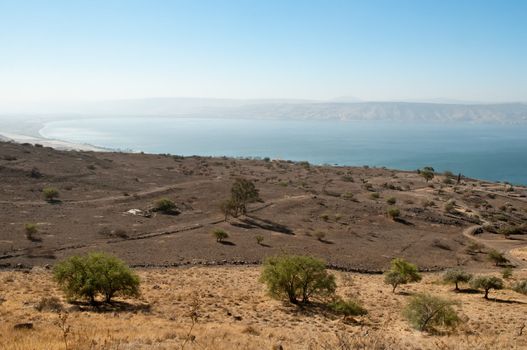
(503, 301)
(227, 243)
(113, 306)
(469, 291)
(265, 245)
(54, 201)
(403, 221)
(250, 222)
(325, 241)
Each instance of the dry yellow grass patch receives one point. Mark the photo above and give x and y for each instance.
(235, 313)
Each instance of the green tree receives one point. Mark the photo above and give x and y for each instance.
(427, 173)
(96, 273)
(497, 258)
(297, 278)
(401, 272)
(487, 283)
(425, 312)
(456, 276)
(220, 235)
(243, 192)
(50, 194)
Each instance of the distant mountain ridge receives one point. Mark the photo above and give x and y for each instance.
(339, 109)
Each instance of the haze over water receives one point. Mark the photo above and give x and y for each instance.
(487, 151)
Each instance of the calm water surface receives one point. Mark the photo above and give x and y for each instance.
(492, 152)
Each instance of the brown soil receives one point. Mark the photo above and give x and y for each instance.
(97, 190)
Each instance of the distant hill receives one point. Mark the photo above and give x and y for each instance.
(338, 109)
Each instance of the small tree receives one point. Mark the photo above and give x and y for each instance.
(96, 273)
(348, 307)
(401, 272)
(427, 173)
(220, 235)
(425, 312)
(244, 191)
(229, 209)
(456, 276)
(297, 278)
(50, 194)
(393, 212)
(497, 258)
(487, 283)
(259, 239)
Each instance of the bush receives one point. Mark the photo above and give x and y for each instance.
(497, 258)
(347, 307)
(401, 272)
(427, 173)
(31, 230)
(320, 235)
(259, 239)
(165, 206)
(507, 272)
(49, 304)
(449, 206)
(50, 194)
(220, 235)
(426, 312)
(297, 278)
(391, 200)
(456, 276)
(520, 287)
(96, 273)
(393, 212)
(375, 195)
(487, 283)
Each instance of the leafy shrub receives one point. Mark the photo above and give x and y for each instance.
(427, 173)
(31, 230)
(49, 304)
(259, 239)
(401, 272)
(456, 276)
(50, 194)
(297, 278)
(426, 312)
(520, 287)
(487, 283)
(165, 206)
(507, 272)
(497, 258)
(96, 273)
(391, 200)
(375, 195)
(449, 206)
(220, 235)
(347, 307)
(393, 212)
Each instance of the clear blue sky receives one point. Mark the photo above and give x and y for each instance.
(371, 49)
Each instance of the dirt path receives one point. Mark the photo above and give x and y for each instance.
(507, 246)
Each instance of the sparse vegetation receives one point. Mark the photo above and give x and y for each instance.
(427, 173)
(375, 195)
(391, 200)
(320, 235)
(297, 278)
(93, 274)
(220, 235)
(487, 283)
(497, 257)
(426, 312)
(347, 307)
(401, 272)
(393, 212)
(520, 287)
(50, 194)
(165, 206)
(31, 230)
(259, 239)
(456, 276)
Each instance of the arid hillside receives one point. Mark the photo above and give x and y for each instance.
(337, 213)
(232, 311)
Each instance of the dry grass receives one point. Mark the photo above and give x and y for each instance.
(233, 312)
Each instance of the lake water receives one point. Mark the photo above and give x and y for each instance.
(491, 152)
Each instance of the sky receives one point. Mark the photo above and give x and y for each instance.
(473, 50)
